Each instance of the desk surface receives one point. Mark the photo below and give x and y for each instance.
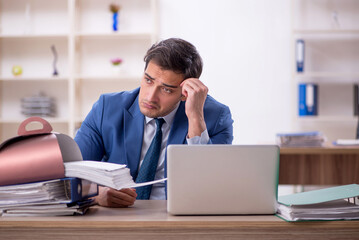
(149, 220)
(319, 150)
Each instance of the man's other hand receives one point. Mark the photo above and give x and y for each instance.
(109, 197)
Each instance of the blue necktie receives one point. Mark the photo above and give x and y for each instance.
(148, 168)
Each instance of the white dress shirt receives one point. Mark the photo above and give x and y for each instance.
(158, 190)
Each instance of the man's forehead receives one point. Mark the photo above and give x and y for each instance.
(171, 82)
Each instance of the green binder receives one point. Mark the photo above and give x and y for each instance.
(335, 203)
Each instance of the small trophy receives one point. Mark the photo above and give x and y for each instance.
(54, 52)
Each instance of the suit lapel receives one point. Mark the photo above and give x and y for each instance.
(178, 131)
(179, 127)
(133, 128)
(133, 134)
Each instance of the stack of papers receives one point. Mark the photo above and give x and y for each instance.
(303, 139)
(333, 210)
(347, 142)
(46, 208)
(52, 190)
(112, 175)
(46, 198)
(324, 204)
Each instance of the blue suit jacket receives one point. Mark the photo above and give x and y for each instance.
(113, 130)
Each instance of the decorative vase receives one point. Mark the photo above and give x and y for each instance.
(115, 21)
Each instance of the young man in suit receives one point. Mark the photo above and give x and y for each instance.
(121, 126)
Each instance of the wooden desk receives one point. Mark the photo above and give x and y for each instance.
(319, 166)
(149, 220)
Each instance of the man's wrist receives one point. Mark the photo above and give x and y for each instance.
(95, 200)
(196, 126)
(202, 139)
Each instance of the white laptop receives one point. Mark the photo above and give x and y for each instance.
(222, 179)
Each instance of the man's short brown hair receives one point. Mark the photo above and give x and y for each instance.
(177, 55)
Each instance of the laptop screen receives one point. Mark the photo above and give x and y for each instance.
(222, 179)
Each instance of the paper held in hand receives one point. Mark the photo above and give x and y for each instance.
(112, 175)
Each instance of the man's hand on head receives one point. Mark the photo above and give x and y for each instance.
(195, 93)
(109, 197)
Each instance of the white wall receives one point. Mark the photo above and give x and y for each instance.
(245, 46)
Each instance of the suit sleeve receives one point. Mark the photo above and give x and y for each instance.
(222, 133)
(89, 136)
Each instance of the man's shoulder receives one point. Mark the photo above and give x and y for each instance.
(218, 118)
(212, 104)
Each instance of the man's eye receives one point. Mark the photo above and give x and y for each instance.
(167, 90)
(148, 80)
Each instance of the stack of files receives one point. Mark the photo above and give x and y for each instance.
(39, 105)
(46, 208)
(335, 203)
(67, 196)
(112, 175)
(303, 139)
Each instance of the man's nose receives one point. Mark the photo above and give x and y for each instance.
(152, 95)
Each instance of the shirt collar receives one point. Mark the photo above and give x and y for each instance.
(168, 118)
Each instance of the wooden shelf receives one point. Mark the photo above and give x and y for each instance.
(319, 150)
(110, 78)
(327, 31)
(114, 35)
(329, 34)
(34, 36)
(327, 119)
(49, 119)
(328, 75)
(18, 79)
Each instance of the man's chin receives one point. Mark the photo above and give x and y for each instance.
(149, 113)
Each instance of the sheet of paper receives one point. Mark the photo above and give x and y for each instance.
(147, 183)
(96, 165)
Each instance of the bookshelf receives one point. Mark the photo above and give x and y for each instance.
(81, 31)
(330, 30)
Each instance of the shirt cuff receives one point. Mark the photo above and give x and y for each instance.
(203, 139)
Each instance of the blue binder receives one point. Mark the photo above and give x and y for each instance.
(78, 189)
(300, 55)
(63, 190)
(308, 99)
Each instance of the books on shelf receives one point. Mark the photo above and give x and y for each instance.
(38, 105)
(112, 175)
(300, 55)
(308, 99)
(65, 196)
(300, 139)
(335, 203)
(356, 100)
